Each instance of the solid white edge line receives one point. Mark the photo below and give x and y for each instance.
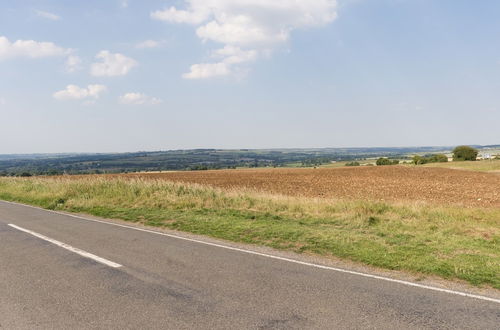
(341, 270)
(69, 247)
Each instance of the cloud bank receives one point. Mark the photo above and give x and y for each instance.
(247, 29)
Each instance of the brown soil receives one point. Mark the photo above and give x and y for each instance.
(389, 183)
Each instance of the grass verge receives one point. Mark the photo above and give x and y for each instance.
(481, 166)
(449, 242)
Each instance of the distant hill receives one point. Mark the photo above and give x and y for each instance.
(195, 159)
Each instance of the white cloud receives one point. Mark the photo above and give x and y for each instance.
(228, 56)
(48, 15)
(29, 49)
(248, 29)
(235, 55)
(138, 99)
(73, 92)
(194, 16)
(73, 64)
(148, 44)
(241, 30)
(207, 70)
(112, 64)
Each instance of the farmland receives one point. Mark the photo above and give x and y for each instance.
(390, 183)
(426, 221)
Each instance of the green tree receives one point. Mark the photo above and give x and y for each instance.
(462, 153)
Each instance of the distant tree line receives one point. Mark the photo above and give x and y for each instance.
(199, 159)
(460, 153)
(207, 159)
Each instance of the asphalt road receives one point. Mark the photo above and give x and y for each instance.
(170, 283)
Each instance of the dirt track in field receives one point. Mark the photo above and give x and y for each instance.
(388, 183)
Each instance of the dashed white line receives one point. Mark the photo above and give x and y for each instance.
(69, 248)
(341, 270)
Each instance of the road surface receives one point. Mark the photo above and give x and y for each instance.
(62, 272)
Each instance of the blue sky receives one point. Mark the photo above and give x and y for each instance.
(113, 75)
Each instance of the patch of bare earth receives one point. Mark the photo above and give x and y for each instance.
(388, 183)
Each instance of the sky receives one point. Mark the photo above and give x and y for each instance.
(137, 75)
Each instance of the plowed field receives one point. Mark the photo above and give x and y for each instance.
(389, 183)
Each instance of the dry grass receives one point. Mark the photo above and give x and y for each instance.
(482, 166)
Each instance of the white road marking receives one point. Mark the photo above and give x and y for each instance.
(69, 248)
(341, 270)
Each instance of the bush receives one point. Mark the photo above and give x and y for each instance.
(353, 164)
(386, 161)
(419, 160)
(462, 153)
(438, 158)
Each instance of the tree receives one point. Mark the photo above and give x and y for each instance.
(462, 153)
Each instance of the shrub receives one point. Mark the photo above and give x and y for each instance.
(419, 160)
(386, 161)
(438, 158)
(353, 164)
(462, 153)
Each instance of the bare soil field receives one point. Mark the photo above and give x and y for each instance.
(390, 183)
